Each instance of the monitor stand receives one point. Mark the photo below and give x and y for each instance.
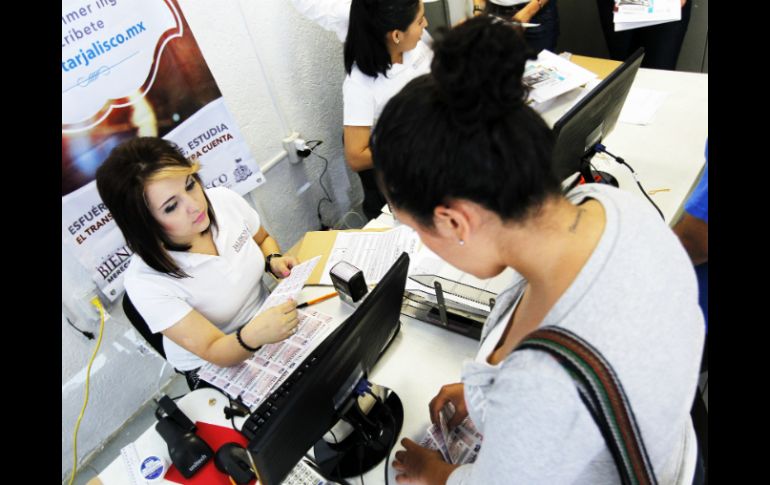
(588, 175)
(370, 441)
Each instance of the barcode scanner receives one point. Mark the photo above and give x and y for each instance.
(188, 451)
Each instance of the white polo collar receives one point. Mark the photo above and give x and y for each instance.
(187, 260)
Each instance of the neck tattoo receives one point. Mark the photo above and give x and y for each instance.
(574, 225)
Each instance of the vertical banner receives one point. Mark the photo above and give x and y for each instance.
(133, 68)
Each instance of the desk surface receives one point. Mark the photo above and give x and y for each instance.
(437, 354)
(667, 154)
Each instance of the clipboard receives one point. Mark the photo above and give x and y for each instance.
(320, 243)
(600, 67)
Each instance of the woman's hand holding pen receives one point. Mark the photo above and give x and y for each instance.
(281, 267)
(272, 325)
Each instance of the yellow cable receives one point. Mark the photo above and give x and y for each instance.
(95, 302)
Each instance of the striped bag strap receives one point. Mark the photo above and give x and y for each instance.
(602, 393)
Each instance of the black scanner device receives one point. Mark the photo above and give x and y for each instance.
(187, 450)
(231, 458)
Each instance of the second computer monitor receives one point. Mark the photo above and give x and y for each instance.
(592, 118)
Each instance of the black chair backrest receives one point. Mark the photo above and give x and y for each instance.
(154, 339)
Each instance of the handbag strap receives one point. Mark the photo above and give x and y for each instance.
(602, 393)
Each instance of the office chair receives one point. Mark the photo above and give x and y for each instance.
(154, 339)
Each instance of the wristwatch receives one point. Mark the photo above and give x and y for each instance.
(267, 262)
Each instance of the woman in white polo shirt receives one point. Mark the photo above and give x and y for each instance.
(386, 46)
(199, 257)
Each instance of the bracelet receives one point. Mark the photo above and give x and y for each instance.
(267, 262)
(243, 344)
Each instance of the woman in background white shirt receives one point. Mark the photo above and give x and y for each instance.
(386, 46)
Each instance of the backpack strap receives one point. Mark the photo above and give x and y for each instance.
(602, 393)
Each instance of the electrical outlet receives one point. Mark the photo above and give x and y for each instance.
(290, 147)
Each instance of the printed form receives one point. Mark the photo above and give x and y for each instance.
(258, 376)
(458, 446)
(290, 287)
(371, 252)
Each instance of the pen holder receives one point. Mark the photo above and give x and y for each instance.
(349, 282)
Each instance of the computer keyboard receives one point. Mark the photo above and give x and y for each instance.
(304, 474)
(271, 405)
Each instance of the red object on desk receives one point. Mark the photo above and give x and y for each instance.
(215, 436)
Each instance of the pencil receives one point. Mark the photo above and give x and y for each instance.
(317, 300)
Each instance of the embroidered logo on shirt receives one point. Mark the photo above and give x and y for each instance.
(241, 240)
(421, 55)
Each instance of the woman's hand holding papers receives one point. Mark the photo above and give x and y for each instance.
(416, 464)
(453, 393)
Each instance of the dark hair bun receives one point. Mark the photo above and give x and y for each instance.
(478, 67)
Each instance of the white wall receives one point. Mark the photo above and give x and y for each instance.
(304, 64)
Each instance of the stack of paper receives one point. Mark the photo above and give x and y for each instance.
(550, 76)
(426, 262)
(632, 14)
(255, 378)
(458, 446)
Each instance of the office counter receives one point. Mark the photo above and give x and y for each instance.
(668, 158)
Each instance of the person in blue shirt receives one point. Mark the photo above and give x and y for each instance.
(693, 231)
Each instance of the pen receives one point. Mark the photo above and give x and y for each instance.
(655, 191)
(317, 300)
(525, 25)
(509, 21)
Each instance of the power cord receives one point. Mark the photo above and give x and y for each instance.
(328, 198)
(95, 302)
(88, 335)
(602, 149)
(337, 466)
(365, 387)
(393, 436)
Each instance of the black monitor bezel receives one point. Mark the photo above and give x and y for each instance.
(351, 350)
(584, 119)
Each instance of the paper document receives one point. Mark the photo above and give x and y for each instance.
(254, 379)
(371, 252)
(290, 287)
(132, 461)
(633, 14)
(550, 75)
(620, 27)
(641, 105)
(458, 446)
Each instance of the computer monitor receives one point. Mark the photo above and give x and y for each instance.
(321, 390)
(591, 120)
